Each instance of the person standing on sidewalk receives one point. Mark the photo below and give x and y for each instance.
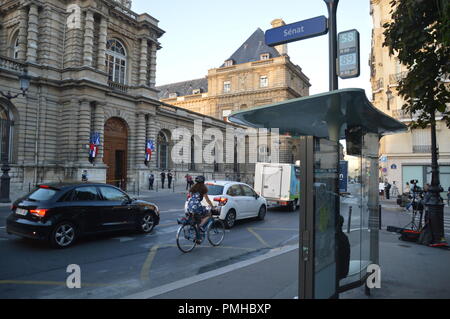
(189, 181)
(387, 189)
(448, 196)
(163, 178)
(169, 179)
(151, 180)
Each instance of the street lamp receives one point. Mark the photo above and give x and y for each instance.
(5, 179)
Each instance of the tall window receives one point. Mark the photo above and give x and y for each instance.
(226, 87)
(163, 151)
(192, 163)
(116, 61)
(263, 81)
(15, 46)
(6, 131)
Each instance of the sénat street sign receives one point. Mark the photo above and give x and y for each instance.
(297, 31)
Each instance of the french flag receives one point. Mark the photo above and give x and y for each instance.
(93, 146)
(150, 147)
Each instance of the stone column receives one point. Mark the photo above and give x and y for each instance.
(99, 126)
(88, 38)
(152, 80)
(32, 38)
(84, 130)
(140, 139)
(143, 63)
(22, 36)
(102, 44)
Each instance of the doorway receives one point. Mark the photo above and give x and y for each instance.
(116, 152)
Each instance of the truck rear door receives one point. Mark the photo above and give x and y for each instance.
(272, 177)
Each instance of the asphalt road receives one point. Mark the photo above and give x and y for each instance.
(123, 263)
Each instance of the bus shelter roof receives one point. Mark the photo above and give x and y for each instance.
(313, 115)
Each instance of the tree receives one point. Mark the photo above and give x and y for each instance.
(420, 35)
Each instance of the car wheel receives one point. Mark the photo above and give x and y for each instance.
(230, 219)
(262, 212)
(63, 235)
(291, 206)
(146, 223)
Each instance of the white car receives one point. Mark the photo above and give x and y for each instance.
(237, 201)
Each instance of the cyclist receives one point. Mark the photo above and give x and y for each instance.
(198, 192)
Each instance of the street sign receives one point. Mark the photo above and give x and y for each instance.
(348, 54)
(297, 31)
(343, 176)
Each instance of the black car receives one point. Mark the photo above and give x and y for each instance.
(63, 212)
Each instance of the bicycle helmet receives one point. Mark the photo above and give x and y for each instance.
(200, 179)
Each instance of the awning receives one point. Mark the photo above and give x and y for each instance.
(314, 115)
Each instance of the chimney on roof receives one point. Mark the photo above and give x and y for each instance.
(282, 49)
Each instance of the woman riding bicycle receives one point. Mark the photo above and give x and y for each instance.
(198, 192)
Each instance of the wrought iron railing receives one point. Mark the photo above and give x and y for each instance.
(118, 86)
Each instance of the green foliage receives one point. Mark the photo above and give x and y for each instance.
(420, 35)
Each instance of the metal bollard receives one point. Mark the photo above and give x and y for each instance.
(349, 222)
(379, 216)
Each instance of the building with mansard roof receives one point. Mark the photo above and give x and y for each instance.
(92, 65)
(254, 75)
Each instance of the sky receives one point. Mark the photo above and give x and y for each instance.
(202, 34)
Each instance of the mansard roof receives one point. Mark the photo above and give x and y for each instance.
(183, 88)
(252, 49)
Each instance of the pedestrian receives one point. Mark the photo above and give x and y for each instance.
(394, 189)
(169, 178)
(188, 181)
(163, 179)
(381, 189)
(84, 176)
(407, 189)
(151, 180)
(387, 189)
(448, 196)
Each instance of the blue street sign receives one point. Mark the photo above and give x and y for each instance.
(297, 31)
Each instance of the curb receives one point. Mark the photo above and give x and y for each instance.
(147, 294)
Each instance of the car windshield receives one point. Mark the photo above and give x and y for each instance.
(42, 194)
(215, 189)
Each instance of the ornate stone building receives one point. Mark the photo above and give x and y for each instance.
(92, 65)
(406, 156)
(254, 75)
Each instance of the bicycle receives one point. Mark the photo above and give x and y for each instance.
(187, 235)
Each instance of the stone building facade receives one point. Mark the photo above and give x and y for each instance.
(254, 75)
(92, 65)
(405, 156)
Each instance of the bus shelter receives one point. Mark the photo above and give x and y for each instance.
(321, 122)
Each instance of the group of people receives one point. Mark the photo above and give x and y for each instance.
(163, 175)
(385, 189)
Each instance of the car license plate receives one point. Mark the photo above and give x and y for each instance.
(20, 211)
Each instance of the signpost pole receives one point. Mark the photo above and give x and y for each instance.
(332, 42)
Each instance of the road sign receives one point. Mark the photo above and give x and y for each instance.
(343, 176)
(348, 54)
(297, 31)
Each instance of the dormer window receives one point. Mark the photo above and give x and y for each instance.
(228, 63)
(173, 95)
(265, 56)
(196, 91)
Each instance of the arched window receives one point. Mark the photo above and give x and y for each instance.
(116, 61)
(192, 163)
(163, 151)
(15, 46)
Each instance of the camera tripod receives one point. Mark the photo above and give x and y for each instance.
(413, 224)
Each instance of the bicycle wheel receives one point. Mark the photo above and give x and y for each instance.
(186, 238)
(216, 232)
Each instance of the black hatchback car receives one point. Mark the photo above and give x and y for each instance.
(61, 213)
